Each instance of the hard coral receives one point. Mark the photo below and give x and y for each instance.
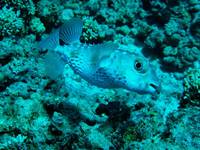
(91, 30)
(141, 29)
(184, 128)
(180, 57)
(155, 38)
(49, 10)
(27, 6)
(192, 86)
(195, 26)
(94, 32)
(10, 22)
(37, 26)
(18, 17)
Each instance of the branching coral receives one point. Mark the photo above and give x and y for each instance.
(155, 38)
(10, 22)
(94, 32)
(192, 86)
(91, 30)
(180, 57)
(174, 37)
(37, 26)
(27, 6)
(195, 26)
(18, 17)
(194, 5)
(184, 128)
(49, 10)
(127, 16)
(141, 29)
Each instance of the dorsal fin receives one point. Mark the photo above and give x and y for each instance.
(51, 42)
(71, 30)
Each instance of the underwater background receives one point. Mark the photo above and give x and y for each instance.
(37, 112)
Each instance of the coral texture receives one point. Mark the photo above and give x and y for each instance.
(38, 112)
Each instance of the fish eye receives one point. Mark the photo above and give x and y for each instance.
(138, 65)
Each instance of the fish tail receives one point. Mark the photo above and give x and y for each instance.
(55, 59)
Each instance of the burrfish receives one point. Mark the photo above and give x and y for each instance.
(103, 65)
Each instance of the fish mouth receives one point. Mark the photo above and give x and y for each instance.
(155, 88)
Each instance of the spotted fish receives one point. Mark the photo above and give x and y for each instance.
(104, 65)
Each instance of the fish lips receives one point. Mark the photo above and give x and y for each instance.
(154, 88)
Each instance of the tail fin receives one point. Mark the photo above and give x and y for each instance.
(71, 30)
(68, 33)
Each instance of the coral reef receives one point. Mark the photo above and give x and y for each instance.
(37, 112)
(183, 131)
(95, 33)
(37, 26)
(192, 87)
(175, 36)
(11, 23)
